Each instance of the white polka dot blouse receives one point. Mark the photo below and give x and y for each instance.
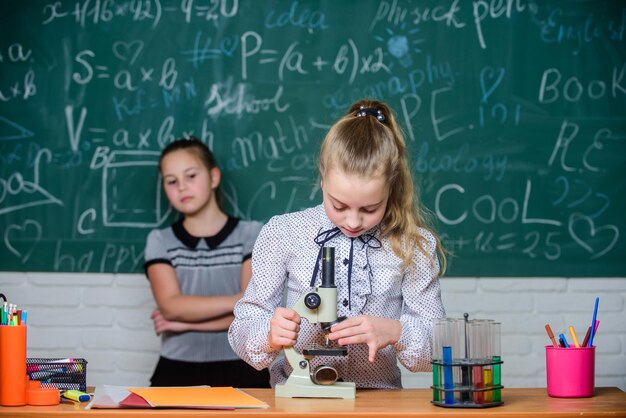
(370, 279)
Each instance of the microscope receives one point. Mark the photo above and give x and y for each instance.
(317, 306)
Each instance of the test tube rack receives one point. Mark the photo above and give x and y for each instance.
(470, 381)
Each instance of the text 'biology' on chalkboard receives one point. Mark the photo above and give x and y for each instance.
(514, 114)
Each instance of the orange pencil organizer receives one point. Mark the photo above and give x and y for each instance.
(13, 384)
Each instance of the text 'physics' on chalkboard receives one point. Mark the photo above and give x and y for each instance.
(514, 114)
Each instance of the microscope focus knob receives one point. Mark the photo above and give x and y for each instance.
(312, 300)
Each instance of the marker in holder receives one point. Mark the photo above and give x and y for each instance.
(15, 387)
(466, 363)
(58, 373)
(570, 372)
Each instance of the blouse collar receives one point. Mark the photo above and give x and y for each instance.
(328, 232)
(212, 241)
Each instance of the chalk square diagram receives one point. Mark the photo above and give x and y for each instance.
(129, 199)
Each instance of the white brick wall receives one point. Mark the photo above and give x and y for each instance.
(105, 319)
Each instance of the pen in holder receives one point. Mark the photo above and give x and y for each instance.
(466, 363)
(58, 373)
(570, 372)
(13, 381)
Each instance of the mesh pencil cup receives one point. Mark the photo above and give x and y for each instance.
(570, 372)
(58, 373)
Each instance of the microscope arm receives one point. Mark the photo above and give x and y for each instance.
(318, 306)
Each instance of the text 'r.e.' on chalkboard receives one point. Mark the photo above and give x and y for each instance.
(514, 114)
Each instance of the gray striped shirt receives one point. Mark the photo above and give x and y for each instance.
(207, 266)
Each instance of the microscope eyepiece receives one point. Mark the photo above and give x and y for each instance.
(328, 267)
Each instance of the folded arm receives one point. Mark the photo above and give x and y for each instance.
(175, 306)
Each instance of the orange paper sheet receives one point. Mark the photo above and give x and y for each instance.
(198, 397)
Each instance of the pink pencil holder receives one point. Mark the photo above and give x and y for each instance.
(570, 371)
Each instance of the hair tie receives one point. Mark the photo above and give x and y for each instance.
(377, 113)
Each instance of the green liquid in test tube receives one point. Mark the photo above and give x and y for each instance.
(438, 337)
(436, 382)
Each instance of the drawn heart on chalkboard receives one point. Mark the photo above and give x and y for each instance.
(127, 50)
(229, 45)
(590, 234)
(30, 231)
(489, 76)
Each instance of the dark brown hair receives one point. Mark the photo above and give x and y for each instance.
(200, 150)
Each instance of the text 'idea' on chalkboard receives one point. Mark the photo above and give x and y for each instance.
(514, 114)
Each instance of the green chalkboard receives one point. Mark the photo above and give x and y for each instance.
(514, 113)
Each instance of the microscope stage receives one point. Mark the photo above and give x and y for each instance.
(320, 350)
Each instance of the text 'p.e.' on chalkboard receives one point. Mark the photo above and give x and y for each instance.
(514, 114)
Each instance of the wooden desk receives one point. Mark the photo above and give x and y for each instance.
(607, 402)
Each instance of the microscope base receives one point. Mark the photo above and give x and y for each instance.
(290, 389)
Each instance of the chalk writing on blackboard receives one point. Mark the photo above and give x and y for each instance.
(512, 113)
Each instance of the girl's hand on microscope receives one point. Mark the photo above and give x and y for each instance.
(284, 328)
(376, 332)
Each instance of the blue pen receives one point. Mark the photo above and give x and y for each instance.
(562, 337)
(593, 323)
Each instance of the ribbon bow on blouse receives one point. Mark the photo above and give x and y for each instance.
(367, 240)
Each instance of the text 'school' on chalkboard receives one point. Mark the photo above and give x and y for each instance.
(514, 113)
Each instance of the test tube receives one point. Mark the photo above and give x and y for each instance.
(487, 369)
(457, 336)
(451, 352)
(476, 353)
(446, 358)
(465, 367)
(448, 382)
(438, 337)
(497, 379)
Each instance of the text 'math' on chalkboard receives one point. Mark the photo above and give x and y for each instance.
(514, 114)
